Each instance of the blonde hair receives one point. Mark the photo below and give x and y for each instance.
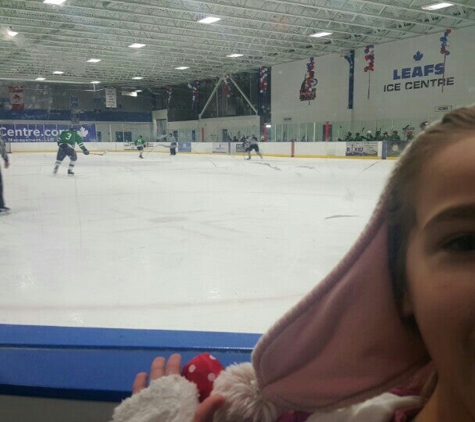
(399, 203)
(401, 213)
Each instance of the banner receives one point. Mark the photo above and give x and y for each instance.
(237, 147)
(395, 148)
(111, 97)
(184, 146)
(16, 97)
(43, 132)
(129, 145)
(220, 147)
(74, 102)
(362, 149)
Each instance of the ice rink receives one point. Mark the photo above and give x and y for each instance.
(191, 242)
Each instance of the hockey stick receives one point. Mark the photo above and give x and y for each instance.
(98, 153)
(157, 145)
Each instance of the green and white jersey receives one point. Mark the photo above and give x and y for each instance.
(140, 142)
(71, 138)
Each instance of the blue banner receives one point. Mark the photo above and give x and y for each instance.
(43, 132)
(184, 146)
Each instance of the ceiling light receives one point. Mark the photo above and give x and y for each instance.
(95, 82)
(181, 67)
(321, 34)
(268, 125)
(94, 60)
(137, 45)
(437, 6)
(235, 55)
(40, 78)
(57, 2)
(129, 93)
(208, 20)
(11, 32)
(137, 78)
(58, 72)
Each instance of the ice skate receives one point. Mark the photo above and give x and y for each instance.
(4, 211)
(70, 173)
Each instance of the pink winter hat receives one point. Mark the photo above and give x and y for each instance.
(344, 342)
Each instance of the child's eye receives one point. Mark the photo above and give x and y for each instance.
(465, 243)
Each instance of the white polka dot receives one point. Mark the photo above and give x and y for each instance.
(192, 368)
(212, 357)
(211, 377)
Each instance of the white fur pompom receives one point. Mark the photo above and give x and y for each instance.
(243, 401)
(167, 399)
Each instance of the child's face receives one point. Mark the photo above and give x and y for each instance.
(441, 266)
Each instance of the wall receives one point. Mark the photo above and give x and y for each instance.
(106, 131)
(160, 123)
(25, 409)
(275, 149)
(213, 128)
(44, 96)
(383, 109)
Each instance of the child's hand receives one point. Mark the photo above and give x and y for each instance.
(159, 368)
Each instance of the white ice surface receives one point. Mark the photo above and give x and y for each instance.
(212, 243)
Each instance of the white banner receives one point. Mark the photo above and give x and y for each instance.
(220, 147)
(111, 98)
(16, 97)
(237, 147)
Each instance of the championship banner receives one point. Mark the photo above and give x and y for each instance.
(43, 133)
(16, 97)
(111, 97)
(362, 149)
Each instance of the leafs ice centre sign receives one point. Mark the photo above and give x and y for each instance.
(42, 132)
(419, 72)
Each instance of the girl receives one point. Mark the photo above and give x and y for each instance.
(403, 298)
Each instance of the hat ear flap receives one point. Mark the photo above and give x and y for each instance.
(345, 341)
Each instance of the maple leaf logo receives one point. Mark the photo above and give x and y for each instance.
(418, 56)
(83, 132)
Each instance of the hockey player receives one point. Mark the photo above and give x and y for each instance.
(67, 141)
(369, 136)
(3, 152)
(252, 144)
(358, 137)
(140, 143)
(395, 136)
(349, 137)
(173, 143)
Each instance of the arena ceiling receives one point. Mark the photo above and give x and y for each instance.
(266, 32)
